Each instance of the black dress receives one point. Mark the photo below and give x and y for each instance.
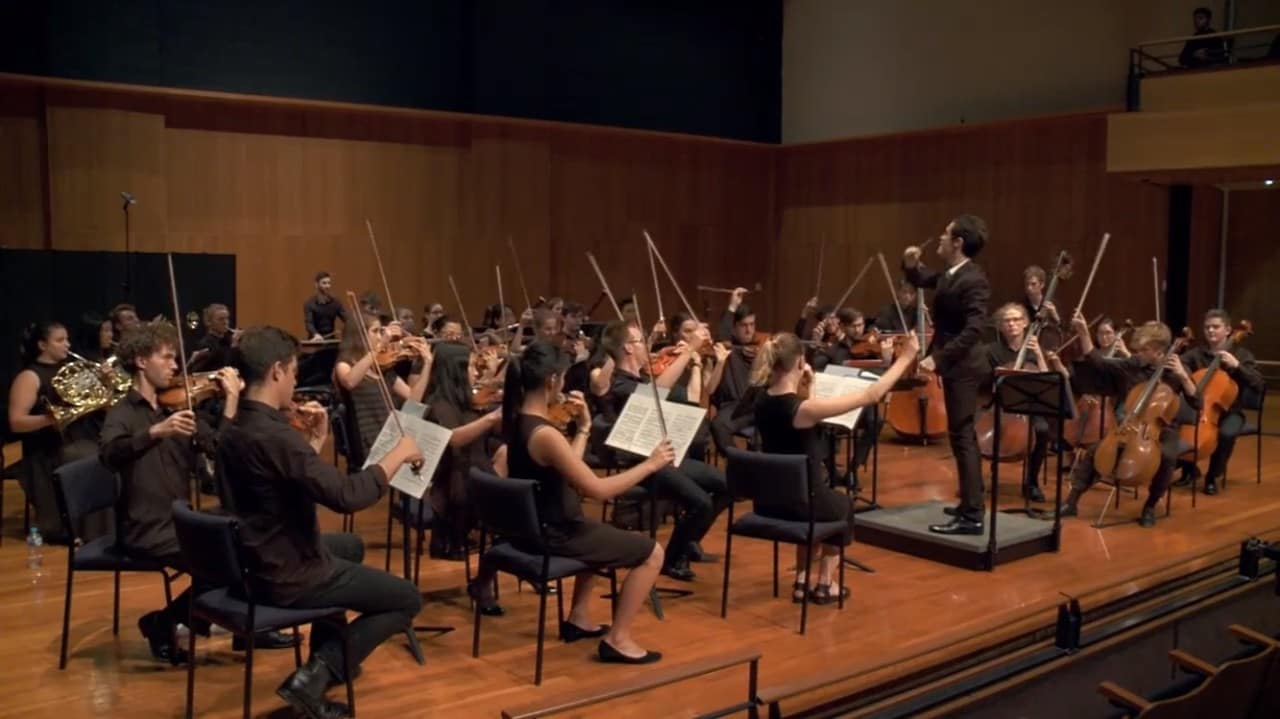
(775, 418)
(569, 532)
(449, 485)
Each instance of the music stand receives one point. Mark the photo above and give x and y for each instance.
(1030, 394)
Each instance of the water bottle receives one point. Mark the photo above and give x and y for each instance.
(35, 554)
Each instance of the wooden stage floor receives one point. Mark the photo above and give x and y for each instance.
(909, 614)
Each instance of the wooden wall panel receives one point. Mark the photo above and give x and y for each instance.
(1041, 185)
(1206, 253)
(1209, 89)
(1219, 137)
(21, 183)
(1253, 263)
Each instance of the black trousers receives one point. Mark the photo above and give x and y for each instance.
(960, 394)
(1229, 427)
(866, 432)
(1083, 474)
(725, 425)
(701, 492)
(1041, 436)
(387, 605)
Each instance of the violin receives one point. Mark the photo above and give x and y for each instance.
(304, 421)
(564, 412)
(868, 346)
(486, 398)
(1130, 453)
(202, 386)
(1217, 392)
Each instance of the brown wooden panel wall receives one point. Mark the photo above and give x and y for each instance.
(1253, 263)
(1040, 184)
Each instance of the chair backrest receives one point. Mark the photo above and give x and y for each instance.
(505, 506)
(211, 545)
(1253, 399)
(774, 480)
(83, 487)
(1231, 692)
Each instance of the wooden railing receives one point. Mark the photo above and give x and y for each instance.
(568, 701)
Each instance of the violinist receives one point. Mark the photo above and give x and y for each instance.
(887, 320)
(474, 442)
(1108, 341)
(687, 333)
(1033, 283)
(431, 313)
(321, 309)
(1012, 321)
(731, 378)
(1151, 343)
(699, 489)
(448, 329)
(273, 479)
(408, 324)
(960, 306)
(353, 374)
(1239, 364)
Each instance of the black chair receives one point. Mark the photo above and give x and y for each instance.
(776, 480)
(507, 508)
(1253, 401)
(13, 471)
(83, 487)
(211, 545)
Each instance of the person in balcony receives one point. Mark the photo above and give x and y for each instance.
(1207, 51)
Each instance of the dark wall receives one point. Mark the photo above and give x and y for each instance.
(711, 68)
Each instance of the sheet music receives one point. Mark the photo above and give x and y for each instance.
(638, 430)
(413, 407)
(834, 384)
(432, 440)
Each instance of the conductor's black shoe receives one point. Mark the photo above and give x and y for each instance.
(679, 570)
(264, 640)
(957, 526)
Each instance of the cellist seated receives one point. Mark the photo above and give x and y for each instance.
(1150, 346)
(1012, 321)
(1238, 364)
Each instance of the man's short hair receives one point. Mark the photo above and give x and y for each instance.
(1208, 14)
(322, 275)
(144, 340)
(741, 314)
(261, 348)
(972, 231)
(1218, 313)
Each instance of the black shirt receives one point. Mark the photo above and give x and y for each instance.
(887, 320)
(272, 480)
(217, 352)
(319, 313)
(736, 379)
(775, 421)
(1122, 375)
(558, 501)
(153, 472)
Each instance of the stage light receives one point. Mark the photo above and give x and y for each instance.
(1268, 183)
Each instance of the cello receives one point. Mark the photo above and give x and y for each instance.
(918, 413)
(1217, 392)
(1130, 453)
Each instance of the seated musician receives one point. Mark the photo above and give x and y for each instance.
(1108, 341)
(321, 310)
(1011, 320)
(45, 446)
(537, 451)
(731, 378)
(787, 419)
(1033, 279)
(448, 329)
(430, 314)
(214, 350)
(154, 454)
(887, 319)
(272, 478)
(408, 323)
(124, 317)
(699, 489)
(1151, 342)
(854, 337)
(577, 346)
(354, 376)
(1240, 366)
(105, 342)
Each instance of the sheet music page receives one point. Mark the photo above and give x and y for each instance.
(638, 430)
(831, 384)
(432, 440)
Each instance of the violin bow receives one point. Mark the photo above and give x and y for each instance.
(653, 270)
(902, 317)
(654, 248)
(856, 280)
(502, 305)
(653, 380)
(1075, 337)
(471, 333)
(822, 251)
(1155, 284)
(182, 351)
(1097, 260)
(515, 257)
(386, 287)
(383, 390)
(607, 292)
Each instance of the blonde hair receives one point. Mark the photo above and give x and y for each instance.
(1152, 334)
(1035, 271)
(999, 315)
(777, 354)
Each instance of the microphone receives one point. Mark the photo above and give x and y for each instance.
(128, 199)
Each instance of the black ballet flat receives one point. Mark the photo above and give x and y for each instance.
(609, 655)
(570, 632)
(487, 610)
(822, 594)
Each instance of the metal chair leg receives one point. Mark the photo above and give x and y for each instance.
(775, 570)
(542, 635)
(248, 672)
(66, 618)
(724, 592)
(115, 606)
